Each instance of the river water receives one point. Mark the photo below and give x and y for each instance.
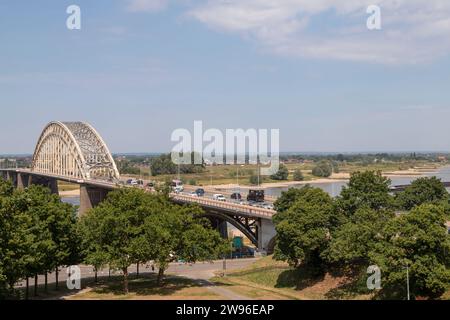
(333, 188)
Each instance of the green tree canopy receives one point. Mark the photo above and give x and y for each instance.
(304, 229)
(365, 189)
(352, 241)
(288, 198)
(323, 169)
(37, 233)
(420, 241)
(254, 179)
(163, 164)
(132, 226)
(298, 175)
(282, 173)
(423, 190)
(179, 233)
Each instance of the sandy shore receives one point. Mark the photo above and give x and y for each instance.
(336, 177)
(69, 194)
(283, 184)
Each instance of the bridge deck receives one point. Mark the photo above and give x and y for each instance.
(229, 207)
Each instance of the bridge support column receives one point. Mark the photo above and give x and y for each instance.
(22, 180)
(221, 226)
(90, 197)
(12, 176)
(223, 229)
(266, 235)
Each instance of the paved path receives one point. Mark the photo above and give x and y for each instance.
(200, 272)
(203, 272)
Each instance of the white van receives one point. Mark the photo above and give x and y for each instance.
(177, 186)
(219, 197)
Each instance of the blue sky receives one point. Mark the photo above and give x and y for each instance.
(139, 69)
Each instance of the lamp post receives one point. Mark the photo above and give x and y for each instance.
(259, 173)
(407, 282)
(224, 265)
(237, 179)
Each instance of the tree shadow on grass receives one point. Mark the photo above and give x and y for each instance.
(256, 270)
(299, 278)
(354, 285)
(292, 278)
(146, 285)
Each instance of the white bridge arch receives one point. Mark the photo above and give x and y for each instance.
(75, 150)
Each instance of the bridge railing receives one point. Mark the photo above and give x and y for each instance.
(244, 192)
(252, 211)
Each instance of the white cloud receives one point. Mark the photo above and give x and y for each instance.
(147, 5)
(414, 31)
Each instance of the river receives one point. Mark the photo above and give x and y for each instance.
(334, 187)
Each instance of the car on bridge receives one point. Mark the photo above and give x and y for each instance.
(132, 182)
(200, 192)
(268, 206)
(236, 196)
(219, 197)
(177, 186)
(256, 196)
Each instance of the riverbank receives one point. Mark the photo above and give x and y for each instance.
(336, 177)
(70, 193)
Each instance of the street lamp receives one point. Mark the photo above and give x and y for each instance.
(224, 265)
(237, 175)
(407, 281)
(259, 173)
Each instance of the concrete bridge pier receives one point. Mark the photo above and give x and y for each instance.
(90, 197)
(266, 236)
(221, 226)
(12, 176)
(223, 229)
(23, 180)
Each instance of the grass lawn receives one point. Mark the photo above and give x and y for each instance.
(271, 279)
(145, 288)
(142, 288)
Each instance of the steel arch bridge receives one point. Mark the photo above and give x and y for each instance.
(74, 150)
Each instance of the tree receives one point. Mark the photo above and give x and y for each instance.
(10, 267)
(352, 241)
(163, 164)
(114, 227)
(298, 175)
(282, 173)
(323, 169)
(254, 179)
(37, 232)
(91, 245)
(366, 189)
(419, 240)
(132, 226)
(288, 199)
(178, 233)
(423, 190)
(304, 229)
